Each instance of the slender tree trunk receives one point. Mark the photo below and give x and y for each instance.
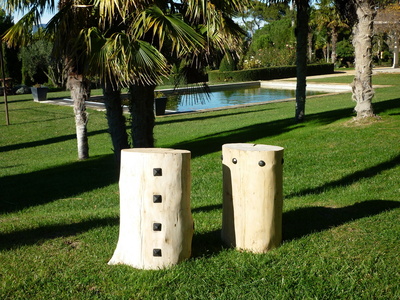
(142, 114)
(80, 88)
(334, 40)
(116, 120)
(309, 45)
(301, 58)
(328, 51)
(362, 42)
(395, 50)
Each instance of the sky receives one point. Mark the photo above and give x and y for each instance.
(48, 15)
(45, 17)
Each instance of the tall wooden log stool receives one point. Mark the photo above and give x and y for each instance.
(156, 224)
(252, 196)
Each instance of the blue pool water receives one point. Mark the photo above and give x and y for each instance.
(229, 97)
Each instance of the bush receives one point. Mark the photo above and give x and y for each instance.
(345, 53)
(267, 73)
(227, 63)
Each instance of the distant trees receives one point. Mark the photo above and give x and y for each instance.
(388, 21)
(274, 44)
(12, 65)
(327, 18)
(38, 64)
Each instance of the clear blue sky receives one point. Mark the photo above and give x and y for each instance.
(45, 18)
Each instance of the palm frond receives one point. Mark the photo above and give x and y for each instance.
(28, 5)
(119, 57)
(163, 26)
(21, 33)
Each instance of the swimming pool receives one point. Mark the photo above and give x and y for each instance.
(228, 97)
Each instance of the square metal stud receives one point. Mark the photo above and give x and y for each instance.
(156, 226)
(157, 252)
(157, 172)
(157, 198)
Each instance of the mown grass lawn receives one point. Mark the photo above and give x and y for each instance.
(341, 221)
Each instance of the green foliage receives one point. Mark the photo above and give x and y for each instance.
(259, 13)
(60, 217)
(345, 52)
(267, 73)
(227, 63)
(36, 60)
(11, 62)
(273, 45)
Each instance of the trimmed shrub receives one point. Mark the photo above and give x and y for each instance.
(267, 73)
(227, 63)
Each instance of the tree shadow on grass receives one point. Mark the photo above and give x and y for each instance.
(304, 221)
(36, 188)
(48, 141)
(351, 178)
(39, 235)
(213, 142)
(383, 106)
(301, 222)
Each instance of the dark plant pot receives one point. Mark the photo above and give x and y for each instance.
(39, 93)
(160, 105)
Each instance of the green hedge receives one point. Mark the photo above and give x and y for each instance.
(267, 73)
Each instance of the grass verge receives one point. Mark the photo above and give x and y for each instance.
(59, 217)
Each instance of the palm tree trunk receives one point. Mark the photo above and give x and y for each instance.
(309, 45)
(79, 87)
(395, 50)
(116, 120)
(362, 42)
(142, 113)
(334, 43)
(301, 59)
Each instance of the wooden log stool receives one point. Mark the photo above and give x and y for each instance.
(252, 196)
(156, 225)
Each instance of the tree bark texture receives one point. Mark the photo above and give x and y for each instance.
(362, 42)
(141, 108)
(80, 88)
(301, 59)
(116, 120)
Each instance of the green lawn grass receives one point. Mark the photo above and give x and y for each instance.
(341, 221)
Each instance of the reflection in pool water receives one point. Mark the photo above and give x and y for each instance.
(182, 103)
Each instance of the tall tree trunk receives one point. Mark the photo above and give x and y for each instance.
(116, 120)
(301, 58)
(328, 51)
(80, 88)
(395, 50)
(142, 113)
(362, 42)
(309, 45)
(334, 40)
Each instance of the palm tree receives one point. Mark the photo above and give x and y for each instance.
(63, 29)
(139, 40)
(132, 45)
(328, 17)
(361, 14)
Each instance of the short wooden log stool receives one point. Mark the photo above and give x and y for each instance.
(252, 196)
(156, 224)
